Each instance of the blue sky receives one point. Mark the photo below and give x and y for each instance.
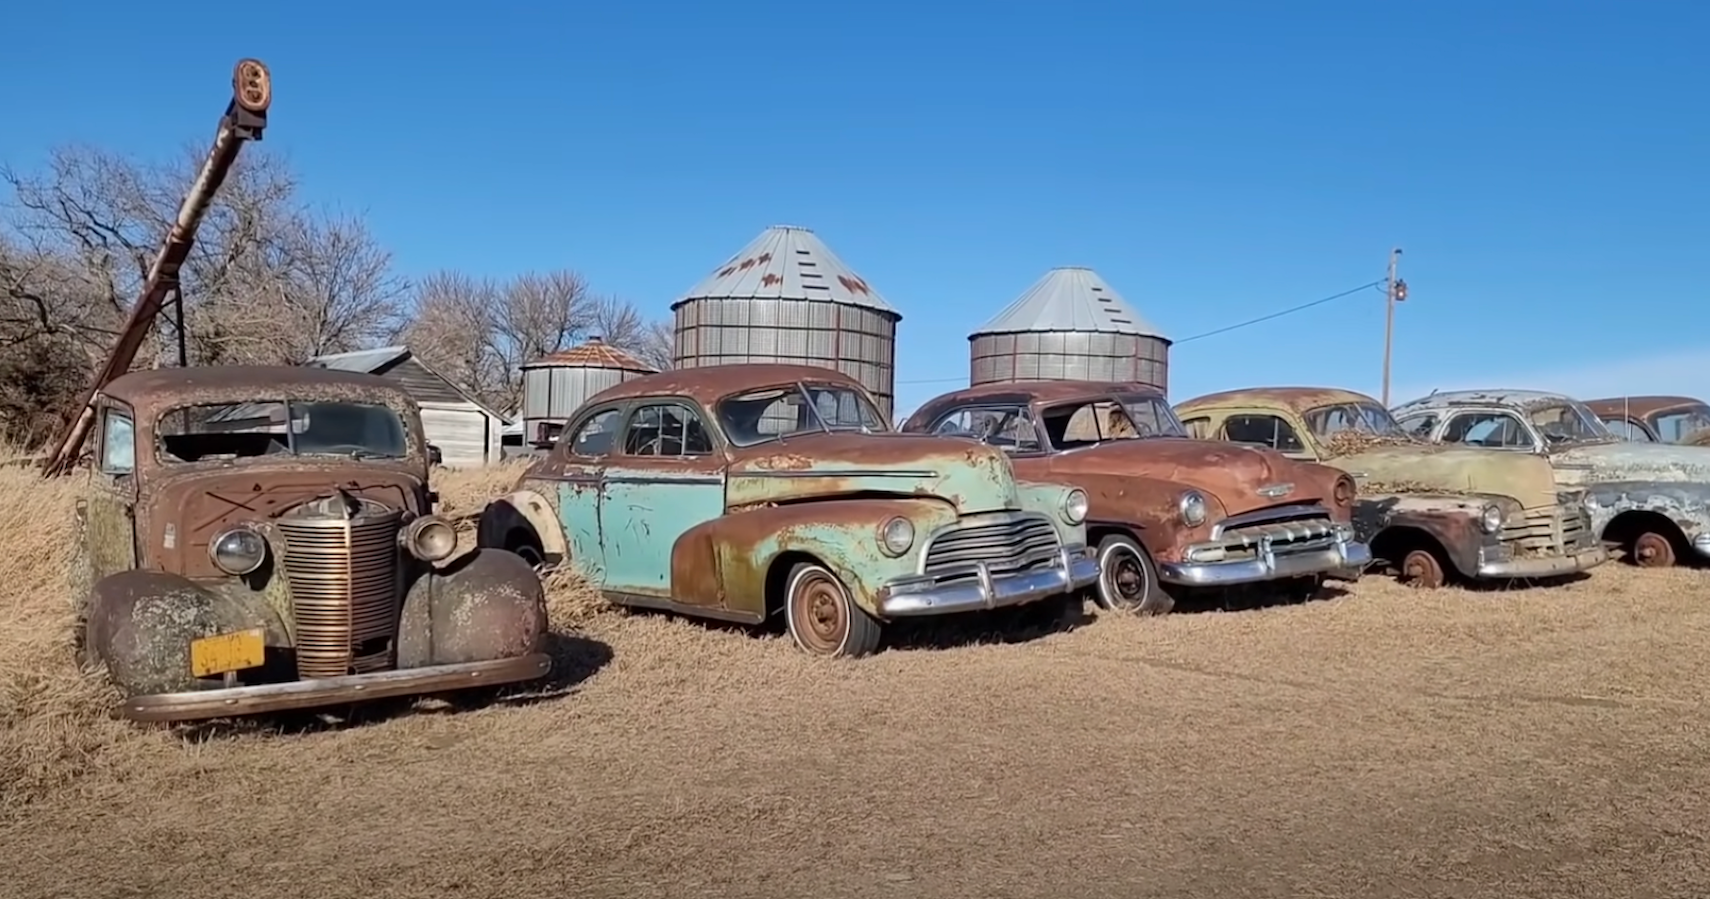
(1543, 164)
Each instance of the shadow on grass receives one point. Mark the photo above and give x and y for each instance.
(1252, 597)
(575, 659)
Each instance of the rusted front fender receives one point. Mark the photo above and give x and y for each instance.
(141, 623)
(1687, 504)
(726, 561)
(523, 515)
(1452, 521)
(486, 605)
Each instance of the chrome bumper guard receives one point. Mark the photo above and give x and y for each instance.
(1545, 566)
(919, 596)
(226, 702)
(1701, 545)
(1346, 558)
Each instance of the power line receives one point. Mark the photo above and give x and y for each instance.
(1263, 318)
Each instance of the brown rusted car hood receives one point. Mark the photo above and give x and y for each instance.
(1229, 473)
(972, 476)
(197, 504)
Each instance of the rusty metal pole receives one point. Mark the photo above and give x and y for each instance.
(244, 120)
(1389, 319)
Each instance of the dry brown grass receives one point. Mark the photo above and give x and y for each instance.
(1386, 742)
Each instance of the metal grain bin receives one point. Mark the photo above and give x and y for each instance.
(787, 298)
(555, 385)
(1069, 326)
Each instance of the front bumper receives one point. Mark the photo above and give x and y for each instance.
(1701, 545)
(915, 597)
(193, 705)
(1344, 558)
(1545, 566)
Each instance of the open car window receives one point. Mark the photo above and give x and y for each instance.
(1008, 427)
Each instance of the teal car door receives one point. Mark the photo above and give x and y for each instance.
(666, 478)
(586, 450)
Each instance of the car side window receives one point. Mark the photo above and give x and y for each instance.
(666, 429)
(1266, 429)
(1498, 430)
(1418, 425)
(1198, 428)
(594, 437)
(118, 443)
(1009, 427)
(1626, 430)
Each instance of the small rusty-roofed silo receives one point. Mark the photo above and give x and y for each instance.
(1070, 326)
(787, 298)
(556, 384)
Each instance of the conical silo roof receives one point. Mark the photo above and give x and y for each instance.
(1072, 298)
(787, 262)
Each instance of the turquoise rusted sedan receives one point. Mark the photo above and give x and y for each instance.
(757, 491)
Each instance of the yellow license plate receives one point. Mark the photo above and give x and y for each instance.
(227, 652)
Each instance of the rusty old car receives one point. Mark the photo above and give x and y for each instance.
(1169, 514)
(1429, 512)
(1655, 419)
(1651, 500)
(261, 539)
(758, 492)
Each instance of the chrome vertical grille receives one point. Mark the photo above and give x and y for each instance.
(344, 591)
(1285, 529)
(1548, 530)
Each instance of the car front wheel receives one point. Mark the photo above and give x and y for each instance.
(1128, 579)
(823, 618)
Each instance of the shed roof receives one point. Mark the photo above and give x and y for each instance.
(1071, 298)
(382, 359)
(787, 262)
(594, 353)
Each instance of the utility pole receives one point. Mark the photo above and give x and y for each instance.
(1394, 292)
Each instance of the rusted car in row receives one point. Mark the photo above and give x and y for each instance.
(1652, 500)
(258, 539)
(1168, 513)
(1428, 512)
(1655, 419)
(759, 492)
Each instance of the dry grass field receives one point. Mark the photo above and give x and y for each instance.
(1376, 743)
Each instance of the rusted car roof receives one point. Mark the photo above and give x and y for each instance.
(1519, 399)
(154, 388)
(1298, 399)
(1641, 406)
(711, 383)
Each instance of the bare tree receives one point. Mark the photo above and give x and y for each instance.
(268, 280)
(480, 332)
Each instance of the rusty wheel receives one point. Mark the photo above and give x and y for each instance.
(823, 619)
(1127, 579)
(1421, 568)
(1652, 550)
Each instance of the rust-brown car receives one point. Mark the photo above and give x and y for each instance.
(258, 539)
(1655, 419)
(1168, 513)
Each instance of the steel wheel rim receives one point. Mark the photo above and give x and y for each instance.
(1653, 551)
(822, 615)
(1420, 569)
(1124, 577)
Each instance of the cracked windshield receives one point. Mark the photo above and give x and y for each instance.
(1355, 418)
(779, 412)
(233, 431)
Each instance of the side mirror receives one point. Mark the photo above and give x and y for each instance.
(435, 457)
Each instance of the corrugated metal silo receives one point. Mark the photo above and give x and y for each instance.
(555, 385)
(1070, 326)
(787, 298)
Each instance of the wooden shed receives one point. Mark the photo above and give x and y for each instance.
(465, 430)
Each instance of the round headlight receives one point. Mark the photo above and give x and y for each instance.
(1075, 506)
(1491, 520)
(1192, 507)
(896, 536)
(430, 538)
(238, 551)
